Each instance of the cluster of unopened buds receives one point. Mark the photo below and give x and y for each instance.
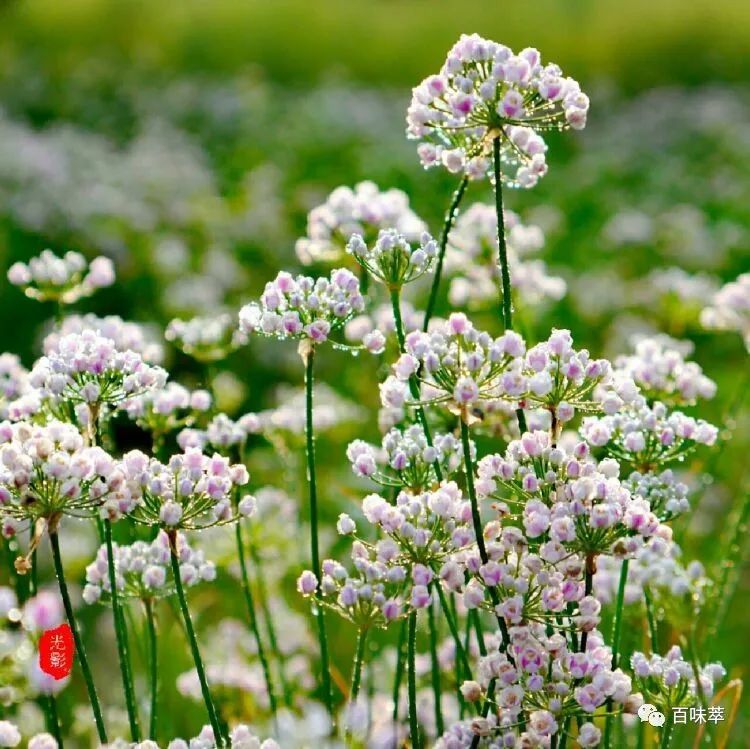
(670, 681)
(661, 372)
(363, 210)
(221, 433)
(86, 368)
(143, 569)
(48, 471)
(370, 596)
(647, 437)
(126, 336)
(485, 91)
(191, 491)
(206, 339)
(730, 308)
(392, 259)
(407, 460)
(165, 410)
(63, 279)
(304, 308)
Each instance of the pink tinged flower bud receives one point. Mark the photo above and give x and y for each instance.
(19, 274)
(307, 583)
(466, 391)
(374, 342)
(154, 576)
(170, 513)
(247, 506)
(473, 595)
(471, 691)
(421, 575)
(420, 597)
(512, 105)
(391, 610)
(345, 525)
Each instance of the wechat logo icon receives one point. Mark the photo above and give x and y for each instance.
(648, 712)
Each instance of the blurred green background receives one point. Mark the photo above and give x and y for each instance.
(188, 140)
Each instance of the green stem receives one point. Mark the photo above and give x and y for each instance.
(502, 248)
(53, 721)
(122, 637)
(435, 669)
(411, 658)
(398, 676)
(450, 217)
(356, 673)
(460, 650)
(413, 383)
(153, 666)
(250, 603)
(80, 651)
(193, 642)
(616, 631)
(270, 627)
(617, 626)
(666, 737)
(652, 624)
(477, 521)
(315, 552)
(588, 585)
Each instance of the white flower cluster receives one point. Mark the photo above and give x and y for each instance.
(730, 308)
(169, 408)
(63, 279)
(485, 91)
(143, 570)
(648, 437)
(364, 210)
(472, 259)
(221, 433)
(47, 471)
(206, 339)
(304, 307)
(459, 364)
(88, 368)
(409, 459)
(371, 595)
(669, 681)
(127, 336)
(191, 491)
(392, 260)
(661, 372)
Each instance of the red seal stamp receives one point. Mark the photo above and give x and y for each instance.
(56, 651)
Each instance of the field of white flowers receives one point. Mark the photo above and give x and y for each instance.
(319, 433)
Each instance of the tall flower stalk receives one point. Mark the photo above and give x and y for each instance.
(507, 299)
(80, 650)
(450, 218)
(253, 617)
(213, 716)
(122, 638)
(153, 669)
(312, 485)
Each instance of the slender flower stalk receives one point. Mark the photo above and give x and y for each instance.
(153, 667)
(122, 638)
(507, 300)
(53, 721)
(80, 650)
(395, 294)
(359, 656)
(653, 629)
(616, 632)
(435, 668)
(450, 218)
(251, 612)
(398, 676)
(268, 618)
(411, 658)
(314, 543)
(193, 642)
